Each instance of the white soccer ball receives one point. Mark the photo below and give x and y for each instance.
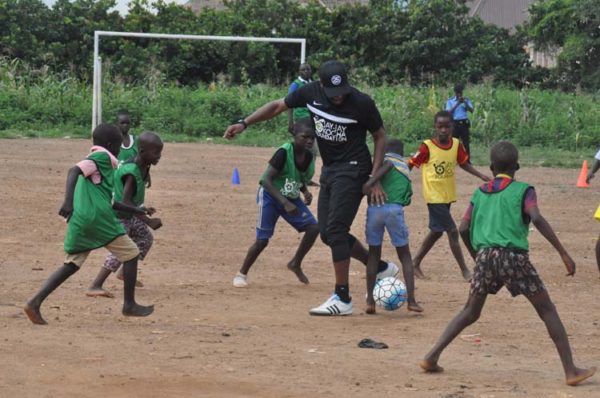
(389, 293)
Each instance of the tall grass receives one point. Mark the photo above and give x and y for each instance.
(35, 103)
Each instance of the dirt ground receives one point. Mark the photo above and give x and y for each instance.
(208, 339)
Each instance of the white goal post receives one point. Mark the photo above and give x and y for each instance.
(97, 81)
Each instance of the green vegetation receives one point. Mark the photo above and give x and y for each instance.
(557, 128)
(574, 27)
(385, 42)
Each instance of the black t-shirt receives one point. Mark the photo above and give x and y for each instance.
(341, 130)
(280, 157)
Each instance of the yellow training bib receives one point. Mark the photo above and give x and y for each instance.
(439, 184)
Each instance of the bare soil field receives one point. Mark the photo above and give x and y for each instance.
(209, 339)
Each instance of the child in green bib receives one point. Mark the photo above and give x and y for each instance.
(91, 222)
(130, 188)
(290, 168)
(494, 230)
(394, 176)
(129, 147)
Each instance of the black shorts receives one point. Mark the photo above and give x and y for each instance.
(440, 219)
(496, 267)
(339, 199)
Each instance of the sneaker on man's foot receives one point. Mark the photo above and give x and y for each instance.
(240, 280)
(391, 270)
(334, 306)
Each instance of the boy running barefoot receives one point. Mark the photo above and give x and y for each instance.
(129, 187)
(438, 158)
(290, 168)
(494, 230)
(395, 181)
(88, 208)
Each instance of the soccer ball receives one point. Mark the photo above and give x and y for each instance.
(389, 293)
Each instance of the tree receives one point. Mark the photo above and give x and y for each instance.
(574, 26)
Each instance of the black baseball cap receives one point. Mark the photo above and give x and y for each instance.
(334, 78)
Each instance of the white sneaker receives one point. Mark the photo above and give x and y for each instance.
(240, 280)
(334, 306)
(391, 270)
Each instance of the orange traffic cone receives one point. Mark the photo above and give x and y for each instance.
(581, 183)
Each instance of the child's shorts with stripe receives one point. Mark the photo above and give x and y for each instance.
(269, 211)
(496, 267)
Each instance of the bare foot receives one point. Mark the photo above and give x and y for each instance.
(138, 283)
(467, 275)
(370, 308)
(98, 292)
(34, 315)
(419, 274)
(137, 310)
(430, 366)
(580, 375)
(298, 271)
(415, 307)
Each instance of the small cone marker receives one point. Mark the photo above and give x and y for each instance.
(581, 183)
(235, 178)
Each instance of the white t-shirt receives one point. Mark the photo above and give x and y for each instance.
(597, 155)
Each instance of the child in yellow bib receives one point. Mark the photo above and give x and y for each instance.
(593, 170)
(437, 158)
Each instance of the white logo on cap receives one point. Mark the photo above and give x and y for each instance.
(336, 80)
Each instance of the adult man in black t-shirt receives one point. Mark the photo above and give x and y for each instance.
(341, 115)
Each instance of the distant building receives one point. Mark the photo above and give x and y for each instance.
(509, 14)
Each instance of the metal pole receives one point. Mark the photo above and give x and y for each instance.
(99, 100)
(303, 51)
(97, 76)
(95, 81)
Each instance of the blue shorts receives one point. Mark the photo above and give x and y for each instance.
(440, 219)
(269, 211)
(391, 217)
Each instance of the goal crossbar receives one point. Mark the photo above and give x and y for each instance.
(97, 76)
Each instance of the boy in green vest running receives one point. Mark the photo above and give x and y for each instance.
(290, 168)
(88, 208)
(130, 188)
(494, 230)
(394, 176)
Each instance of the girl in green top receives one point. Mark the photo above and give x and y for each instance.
(129, 187)
(93, 224)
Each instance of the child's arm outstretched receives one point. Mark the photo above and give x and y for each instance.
(271, 173)
(67, 207)
(547, 232)
(468, 167)
(387, 166)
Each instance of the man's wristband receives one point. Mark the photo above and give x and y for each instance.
(243, 122)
